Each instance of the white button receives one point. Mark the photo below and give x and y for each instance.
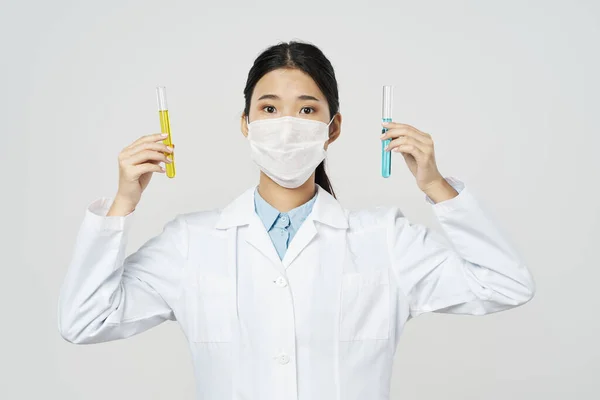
(283, 359)
(281, 282)
(284, 218)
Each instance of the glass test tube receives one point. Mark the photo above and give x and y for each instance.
(386, 116)
(165, 127)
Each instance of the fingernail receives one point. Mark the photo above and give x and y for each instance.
(164, 135)
(169, 149)
(385, 123)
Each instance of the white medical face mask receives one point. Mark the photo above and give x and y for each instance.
(288, 149)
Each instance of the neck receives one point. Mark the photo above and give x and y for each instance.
(284, 199)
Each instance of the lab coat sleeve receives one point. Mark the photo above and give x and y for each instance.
(107, 296)
(478, 273)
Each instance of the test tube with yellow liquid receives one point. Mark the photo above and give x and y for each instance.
(165, 127)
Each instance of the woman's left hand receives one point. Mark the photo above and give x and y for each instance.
(417, 149)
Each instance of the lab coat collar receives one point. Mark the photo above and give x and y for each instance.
(240, 211)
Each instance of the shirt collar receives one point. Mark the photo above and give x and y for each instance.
(268, 214)
(240, 211)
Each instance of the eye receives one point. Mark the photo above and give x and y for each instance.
(269, 107)
(308, 108)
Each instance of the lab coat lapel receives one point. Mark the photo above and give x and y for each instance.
(326, 210)
(257, 236)
(240, 212)
(302, 238)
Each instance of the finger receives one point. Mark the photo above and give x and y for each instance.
(158, 146)
(145, 156)
(395, 125)
(408, 140)
(142, 169)
(406, 131)
(153, 137)
(410, 149)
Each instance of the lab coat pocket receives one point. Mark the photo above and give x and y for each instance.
(365, 305)
(211, 302)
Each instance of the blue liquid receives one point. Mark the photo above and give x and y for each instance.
(386, 156)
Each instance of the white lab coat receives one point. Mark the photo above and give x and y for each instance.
(321, 324)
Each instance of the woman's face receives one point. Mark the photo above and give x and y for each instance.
(290, 92)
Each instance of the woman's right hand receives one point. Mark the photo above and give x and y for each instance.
(137, 163)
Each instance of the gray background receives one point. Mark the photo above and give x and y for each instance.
(507, 89)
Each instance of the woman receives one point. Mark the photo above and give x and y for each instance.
(284, 294)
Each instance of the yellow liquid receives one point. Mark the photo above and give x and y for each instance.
(165, 127)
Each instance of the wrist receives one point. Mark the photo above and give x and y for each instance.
(121, 207)
(440, 190)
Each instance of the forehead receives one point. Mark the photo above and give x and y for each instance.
(286, 82)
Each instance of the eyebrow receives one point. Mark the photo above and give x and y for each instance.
(275, 97)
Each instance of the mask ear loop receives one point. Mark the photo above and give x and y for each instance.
(332, 118)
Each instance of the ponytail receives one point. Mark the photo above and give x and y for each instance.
(322, 179)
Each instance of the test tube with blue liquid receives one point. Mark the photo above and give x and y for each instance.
(386, 156)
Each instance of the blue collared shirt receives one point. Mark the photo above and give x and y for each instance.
(281, 226)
